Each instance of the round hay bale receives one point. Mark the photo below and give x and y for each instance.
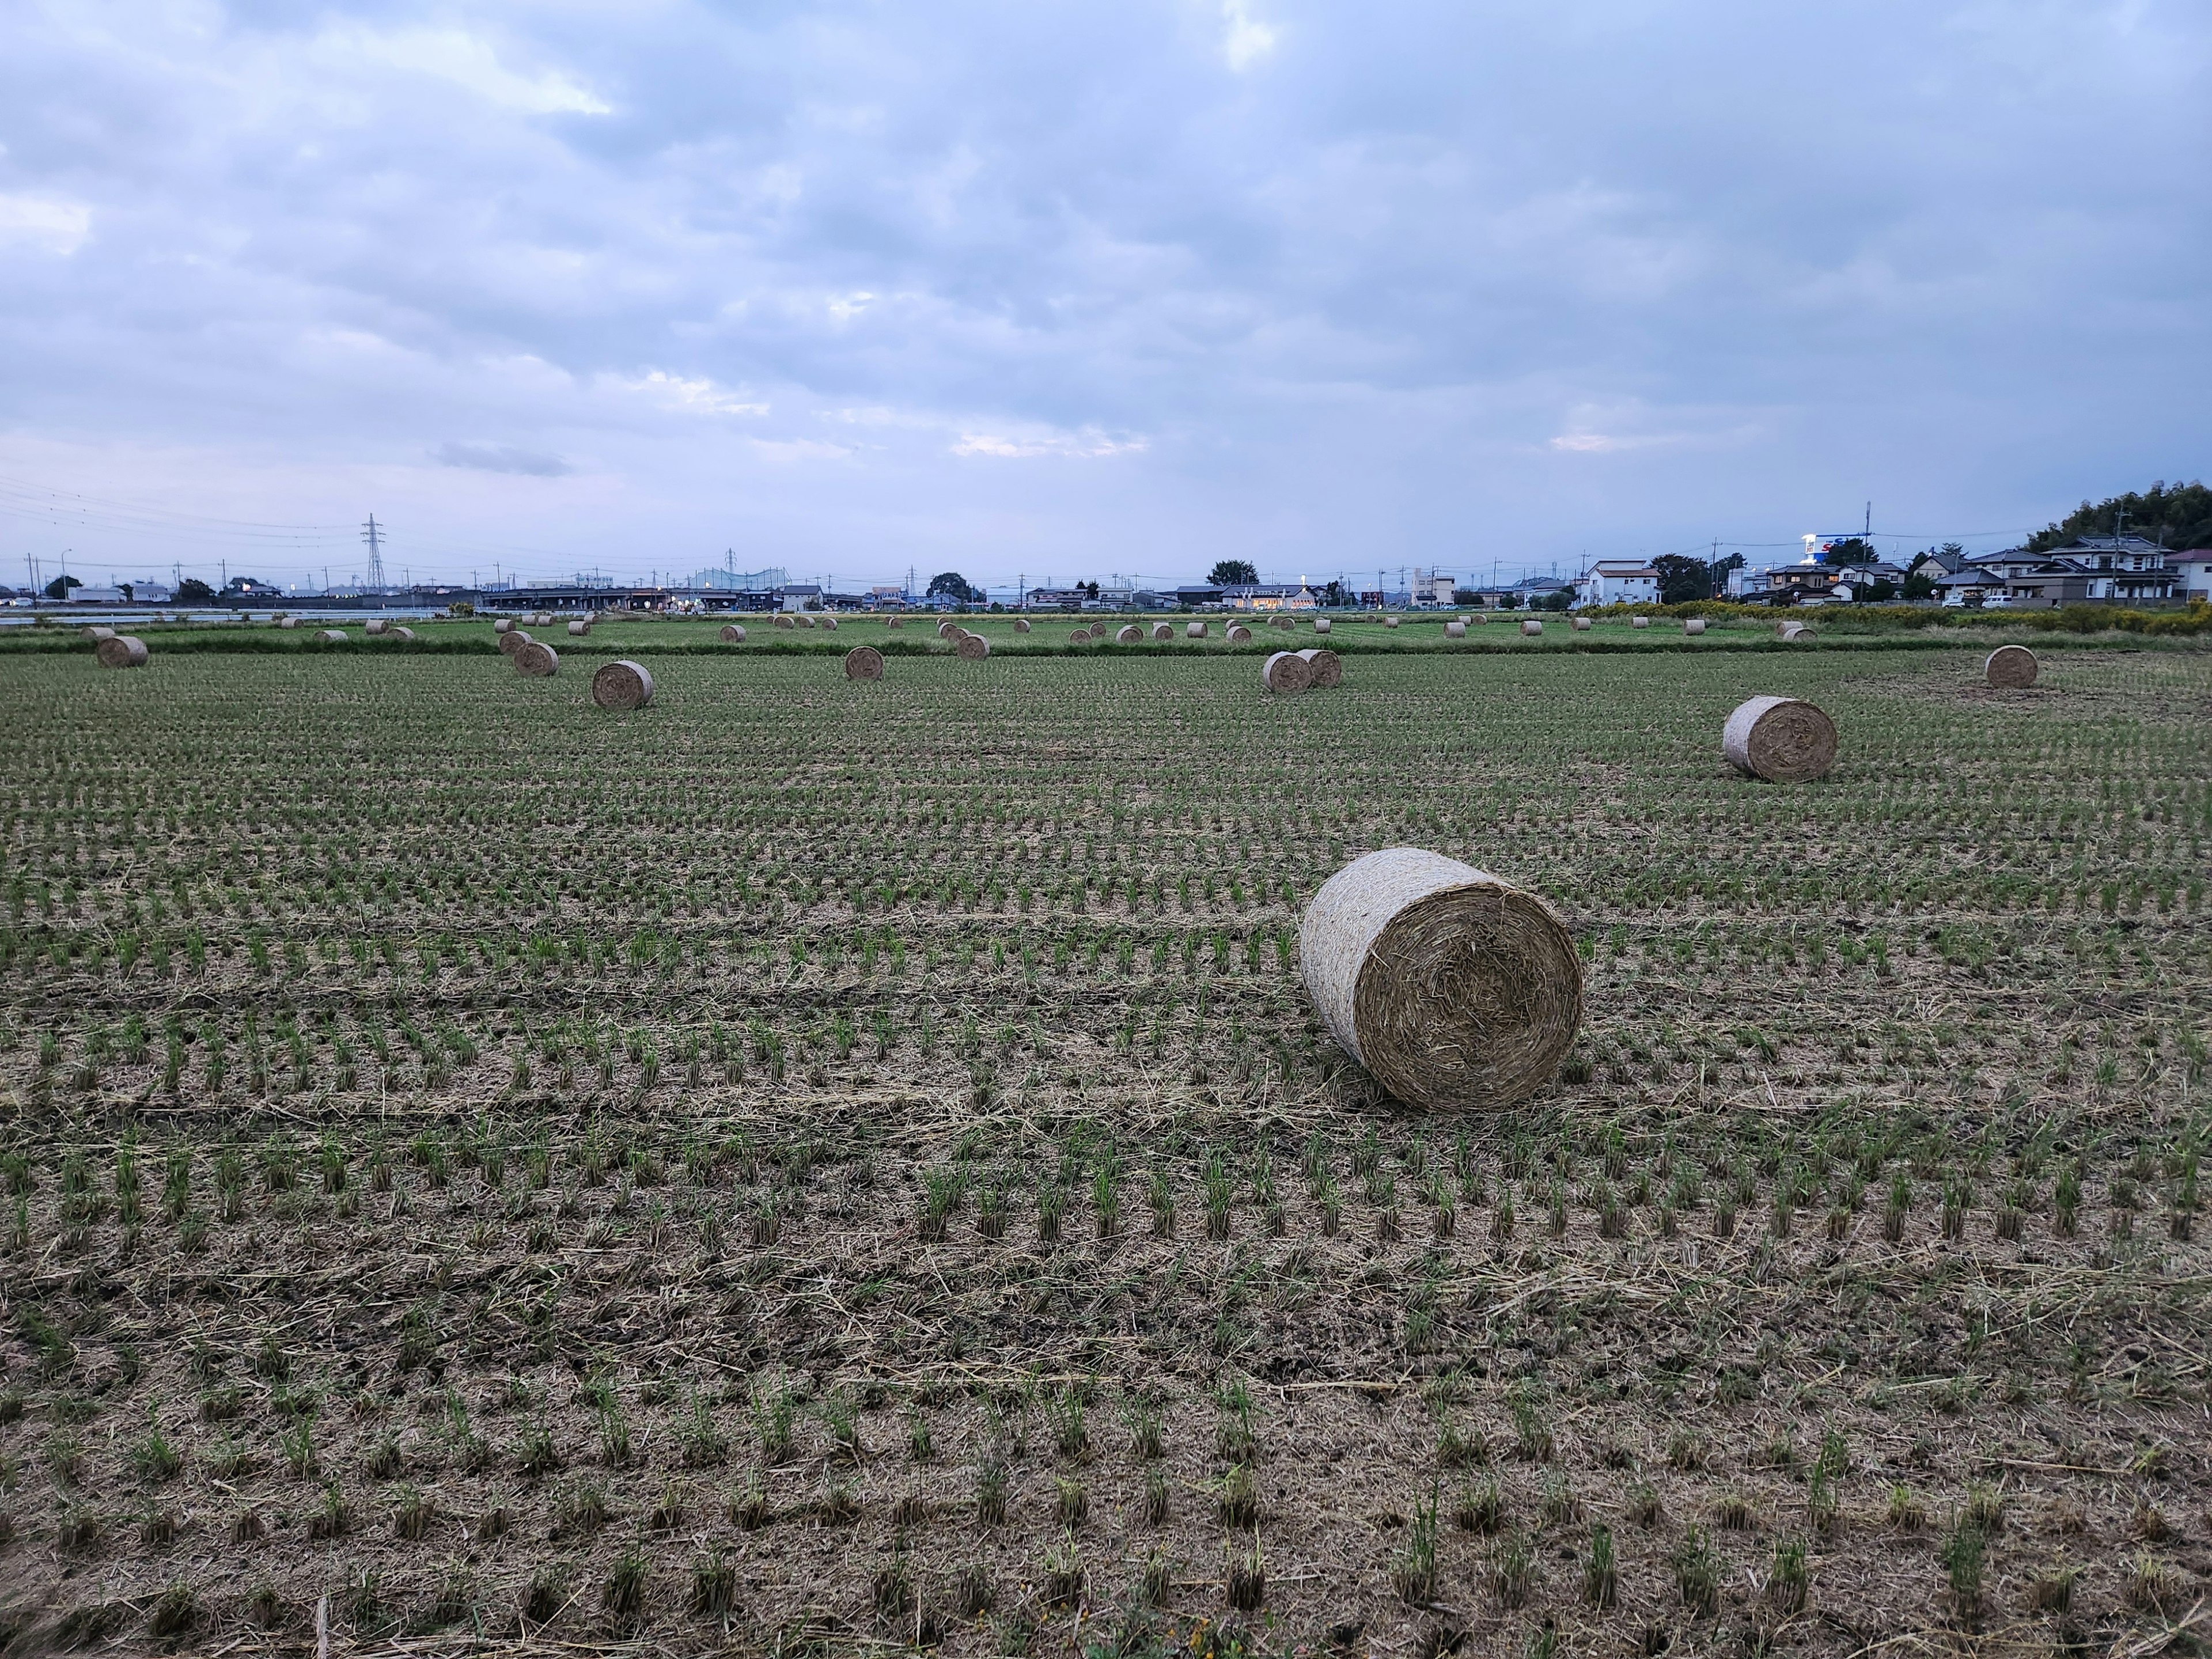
(1194, 631)
(546, 619)
(733, 634)
(1532, 627)
(829, 623)
(1792, 630)
(802, 619)
(1320, 624)
(1278, 620)
(289, 622)
(1451, 987)
(512, 642)
(96, 634)
(374, 627)
(1389, 622)
(1326, 667)
(1579, 625)
(863, 662)
(1479, 618)
(537, 660)
(121, 651)
(972, 648)
(1129, 634)
(891, 622)
(1781, 739)
(783, 620)
(504, 625)
(2011, 667)
(947, 629)
(1080, 636)
(1639, 621)
(1161, 631)
(400, 633)
(336, 636)
(622, 683)
(578, 629)
(1455, 629)
(1021, 624)
(1286, 671)
(1239, 634)
(1694, 625)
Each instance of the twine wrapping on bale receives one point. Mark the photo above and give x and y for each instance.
(1286, 671)
(121, 651)
(1320, 624)
(1781, 739)
(336, 637)
(375, 626)
(578, 629)
(2011, 667)
(783, 620)
(972, 648)
(537, 660)
(1792, 630)
(1194, 631)
(504, 625)
(623, 683)
(1239, 634)
(1695, 625)
(1532, 626)
(1639, 621)
(509, 643)
(1324, 665)
(733, 634)
(1161, 631)
(1579, 625)
(1451, 987)
(863, 662)
(1455, 629)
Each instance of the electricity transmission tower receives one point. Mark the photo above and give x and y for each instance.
(374, 536)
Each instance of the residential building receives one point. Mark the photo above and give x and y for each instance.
(1618, 581)
(2088, 570)
(800, 595)
(1936, 564)
(1269, 596)
(2192, 575)
(1057, 598)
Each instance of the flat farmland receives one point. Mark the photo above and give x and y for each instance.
(813, 1167)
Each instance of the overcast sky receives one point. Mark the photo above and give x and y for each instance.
(1070, 290)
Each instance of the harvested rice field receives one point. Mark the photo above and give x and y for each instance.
(820, 1167)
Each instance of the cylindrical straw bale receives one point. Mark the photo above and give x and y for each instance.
(121, 651)
(1479, 618)
(1194, 631)
(947, 627)
(802, 619)
(1320, 624)
(733, 634)
(972, 648)
(401, 633)
(829, 623)
(1639, 621)
(504, 625)
(288, 622)
(537, 659)
(1239, 634)
(1792, 630)
(891, 622)
(1286, 671)
(578, 629)
(1694, 625)
(1781, 739)
(513, 641)
(1580, 624)
(1451, 987)
(1080, 636)
(374, 627)
(1278, 620)
(2011, 667)
(1161, 631)
(863, 662)
(783, 620)
(1389, 622)
(1532, 626)
(1130, 634)
(622, 684)
(1326, 667)
(96, 634)
(332, 637)
(1455, 629)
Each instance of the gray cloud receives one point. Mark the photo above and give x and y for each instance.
(503, 457)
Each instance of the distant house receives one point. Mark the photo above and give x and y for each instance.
(2192, 575)
(800, 595)
(1269, 596)
(98, 596)
(1618, 581)
(1058, 599)
(1191, 595)
(2088, 570)
(1973, 585)
(1936, 565)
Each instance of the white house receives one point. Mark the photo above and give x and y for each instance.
(2192, 575)
(1618, 581)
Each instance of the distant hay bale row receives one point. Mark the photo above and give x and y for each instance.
(2011, 668)
(1780, 739)
(622, 684)
(1450, 986)
(1286, 672)
(120, 651)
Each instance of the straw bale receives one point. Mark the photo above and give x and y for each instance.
(1639, 621)
(374, 627)
(336, 637)
(1080, 636)
(2012, 667)
(829, 622)
(1453, 987)
(1194, 631)
(1286, 671)
(863, 662)
(1325, 666)
(1455, 629)
(972, 648)
(578, 629)
(1579, 625)
(288, 622)
(1130, 634)
(1532, 626)
(1239, 634)
(733, 634)
(1781, 739)
(1161, 631)
(504, 625)
(623, 683)
(1320, 624)
(1792, 630)
(537, 660)
(96, 634)
(1694, 625)
(802, 619)
(1021, 624)
(402, 633)
(1389, 622)
(783, 620)
(946, 629)
(121, 651)
(891, 622)
(513, 641)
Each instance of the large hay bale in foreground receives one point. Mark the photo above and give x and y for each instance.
(1286, 671)
(537, 660)
(623, 683)
(1239, 634)
(863, 662)
(1161, 631)
(733, 634)
(1320, 624)
(1452, 987)
(121, 651)
(1532, 627)
(1194, 631)
(512, 642)
(1324, 665)
(1639, 621)
(578, 629)
(1694, 625)
(972, 648)
(1455, 629)
(2011, 667)
(1781, 739)
(374, 627)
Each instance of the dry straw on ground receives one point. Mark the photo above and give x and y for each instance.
(2011, 667)
(733, 634)
(1781, 739)
(972, 648)
(1286, 671)
(537, 660)
(1451, 987)
(863, 662)
(1324, 665)
(623, 683)
(121, 651)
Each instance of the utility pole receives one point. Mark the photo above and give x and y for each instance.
(326, 581)
(1866, 535)
(371, 534)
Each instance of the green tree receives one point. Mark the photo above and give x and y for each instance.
(193, 590)
(1232, 573)
(1852, 550)
(2178, 516)
(1683, 579)
(58, 588)
(954, 586)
